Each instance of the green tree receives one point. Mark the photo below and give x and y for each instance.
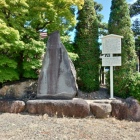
(135, 11)
(122, 26)
(21, 48)
(10, 47)
(27, 56)
(103, 27)
(135, 8)
(52, 14)
(136, 30)
(87, 47)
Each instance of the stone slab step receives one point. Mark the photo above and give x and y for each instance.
(69, 108)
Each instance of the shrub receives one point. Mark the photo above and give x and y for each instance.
(135, 86)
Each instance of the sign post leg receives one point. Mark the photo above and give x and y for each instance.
(111, 82)
(104, 77)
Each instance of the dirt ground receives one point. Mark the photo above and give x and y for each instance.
(38, 127)
(25, 126)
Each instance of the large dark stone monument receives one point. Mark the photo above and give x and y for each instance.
(58, 76)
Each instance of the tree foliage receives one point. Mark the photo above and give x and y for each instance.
(98, 8)
(135, 11)
(87, 47)
(21, 48)
(135, 8)
(103, 27)
(136, 30)
(122, 26)
(135, 86)
(52, 14)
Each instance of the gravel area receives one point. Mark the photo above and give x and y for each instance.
(101, 94)
(38, 127)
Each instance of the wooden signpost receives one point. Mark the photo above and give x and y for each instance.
(111, 44)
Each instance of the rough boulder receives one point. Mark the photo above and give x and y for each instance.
(128, 109)
(19, 90)
(9, 106)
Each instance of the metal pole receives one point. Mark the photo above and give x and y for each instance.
(111, 80)
(104, 77)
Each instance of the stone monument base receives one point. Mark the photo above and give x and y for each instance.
(55, 97)
(69, 108)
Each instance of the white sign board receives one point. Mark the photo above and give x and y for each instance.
(111, 61)
(111, 44)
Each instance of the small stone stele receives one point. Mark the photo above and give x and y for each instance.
(58, 76)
